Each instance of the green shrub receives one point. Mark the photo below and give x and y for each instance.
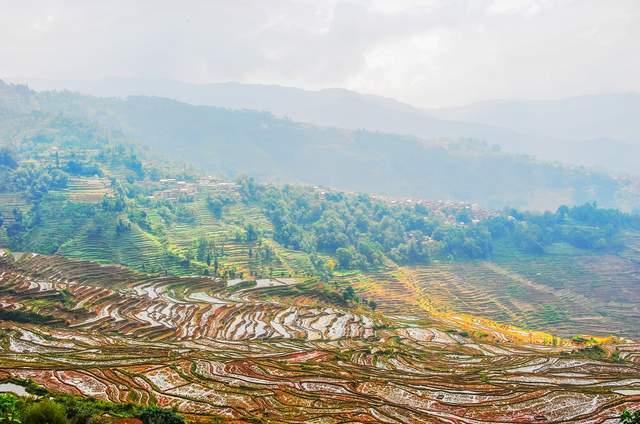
(629, 417)
(9, 408)
(156, 415)
(45, 412)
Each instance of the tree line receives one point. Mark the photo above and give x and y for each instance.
(360, 232)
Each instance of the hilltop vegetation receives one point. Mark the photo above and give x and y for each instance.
(361, 231)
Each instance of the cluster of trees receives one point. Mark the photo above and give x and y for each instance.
(586, 226)
(123, 226)
(208, 252)
(216, 203)
(8, 158)
(25, 317)
(360, 231)
(349, 295)
(31, 180)
(74, 410)
(630, 417)
(87, 169)
(18, 226)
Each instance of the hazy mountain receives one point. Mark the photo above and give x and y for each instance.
(596, 131)
(231, 143)
(329, 107)
(582, 117)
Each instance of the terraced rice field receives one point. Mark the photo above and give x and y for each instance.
(631, 241)
(90, 190)
(8, 202)
(136, 248)
(211, 347)
(171, 307)
(563, 293)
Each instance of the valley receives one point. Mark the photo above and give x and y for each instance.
(320, 212)
(132, 281)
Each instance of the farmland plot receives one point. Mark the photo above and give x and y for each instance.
(563, 294)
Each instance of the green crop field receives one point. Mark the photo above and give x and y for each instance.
(566, 291)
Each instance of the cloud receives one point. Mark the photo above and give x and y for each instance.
(429, 52)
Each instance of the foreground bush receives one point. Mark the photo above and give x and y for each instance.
(629, 417)
(155, 415)
(45, 412)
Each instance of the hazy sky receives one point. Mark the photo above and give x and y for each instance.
(429, 53)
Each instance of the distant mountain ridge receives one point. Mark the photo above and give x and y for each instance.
(333, 107)
(593, 130)
(581, 117)
(599, 131)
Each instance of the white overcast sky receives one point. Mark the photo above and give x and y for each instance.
(428, 53)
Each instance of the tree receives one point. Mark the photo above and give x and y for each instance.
(17, 215)
(215, 205)
(629, 417)
(188, 257)
(251, 232)
(349, 294)
(202, 249)
(344, 257)
(45, 412)
(14, 230)
(9, 412)
(122, 226)
(156, 415)
(7, 158)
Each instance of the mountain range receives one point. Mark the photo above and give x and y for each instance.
(597, 131)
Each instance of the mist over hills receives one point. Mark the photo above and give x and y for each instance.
(231, 143)
(598, 131)
(594, 130)
(329, 107)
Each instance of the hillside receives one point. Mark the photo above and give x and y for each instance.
(130, 282)
(231, 143)
(71, 188)
(598, 131)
